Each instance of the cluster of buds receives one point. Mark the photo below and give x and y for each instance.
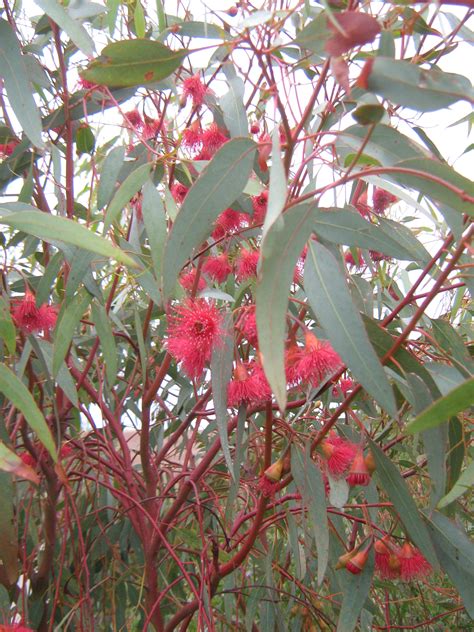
(268, 482)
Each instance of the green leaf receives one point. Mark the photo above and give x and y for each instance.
(133, 62)
(279, 253)
(155, 224)
(418, 88)
(309, 481)
(139, 20)
(221, 372)
(18, 88)
(52, 228)
(402, 498)
(456, 555)
(18, 394)
(108, 175)
(331, 301)
(73, 28)
(68, 318)
(85, 140)
(464, 483)
(107, 341)
(221, 182)
(131, 185)
(355, 590)
(436, 190)
(441, 410)
(8, 532)
(7, 328)
(368, 113)
(277, 188)
(235, 116)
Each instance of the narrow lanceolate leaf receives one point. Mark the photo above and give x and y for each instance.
(235, 117)
(107, 341)
(52, 228)
(221, 373)
(441, 410)
(131, 185)
(155, 224)
(18, 394)
(355, 589)
(133, 62)
(8, 533)
(460, 487)
(456, 555)
(17, 86)
(309, 480)
(414, 87)
(280, 251)
(331, 301)
(7, 328)
(109, 174)
(68, 319)
(11, 463)
(69, 25)
(433, 180)
(402, 498)
(221, 182)
(277, 189)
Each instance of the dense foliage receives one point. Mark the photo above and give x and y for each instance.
(234, 316)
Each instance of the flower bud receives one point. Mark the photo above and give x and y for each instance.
(357, 563)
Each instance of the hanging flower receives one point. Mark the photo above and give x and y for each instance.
(133, 119)
(259, 205)
(362, 205)
(344, 386)
(179, 192)
(247, 324)
(314, 362)
(212, 139)
(195, 328)
(217, 267)
(412, 563)
(228, 222)
(387, 563)
(248, 385)
(378, 256)
(357, 563)
(192, 136)
(358, 473)
(6, 149)
(30, 318)
(193, 87)
(382, 199)
(187, 280)
(246, 264)
(349, 259)
(338, 454)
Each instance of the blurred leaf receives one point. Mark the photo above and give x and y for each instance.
(221, 374)
(456, 555)
(235, 116)
(85, 140)
(139, 20)
(310, 484)
(464, 483)
(355, 591)
(20, 397)
(107, 341)
(109, 174)
(368, 113)
(132, 184)
(220, 184)
(7, 328)
(18, 88)
(277, 190)
(458, 400)
(134, 62)
(8, 535)
(52, 228)
(155, 224)
(69, 25)
(279, 253)
(402, 498)
(411, 86)
(331, 301)
(68, 318)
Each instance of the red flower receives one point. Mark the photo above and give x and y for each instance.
(247, 324)
(255, 128)
(192, 136)
(248, 385)
(338, 454)
(194, 330)
(227, 222)
(387, 563)
(133, 119)
(27, 316)
(193, 87)
(65, 451)
(150, 129)
(314, 362)
(378, 256)
(362, 206)
(29, 460)
(6, 149)
(358, 473)
(246, 264)
(357, 563)
(349, 259)
(179, 192)
(382, 199)
(212, 139)
(187, 279)
(344, 386)
(412, 563)
(267, 487)
(260, 204)
(217, 267)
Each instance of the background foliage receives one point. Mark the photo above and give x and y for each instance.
(235, 317)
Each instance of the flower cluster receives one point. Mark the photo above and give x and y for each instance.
(30, 318)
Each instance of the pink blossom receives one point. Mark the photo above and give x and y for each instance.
(195, 328)
(247, 323)
(179, 192)
(412, 563)
(193, 87)
(338, 454)
(387, 563)
(314, 362)
(187, 280)
(260, 205)
(217, 267)
(248, 385)
(133, 119)
(212, 139)
(228, 222)
(6, 149)
(344, 386)
(30, 318)
(246, 264)
(382, 199)
(358, 472)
